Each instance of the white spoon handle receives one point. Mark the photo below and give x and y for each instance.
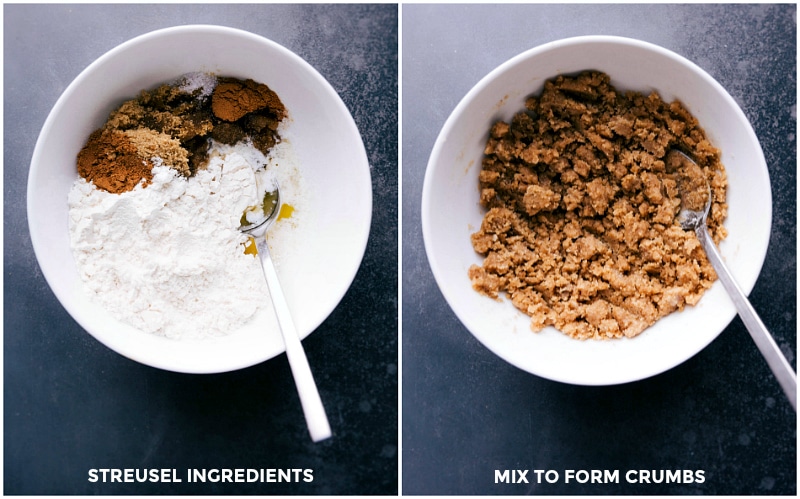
(314, 411)
(766, 344)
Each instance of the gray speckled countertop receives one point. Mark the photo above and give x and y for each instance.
(467, 413)
(71, 404)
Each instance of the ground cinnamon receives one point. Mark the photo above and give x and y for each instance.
(111, 161)
(233, 99)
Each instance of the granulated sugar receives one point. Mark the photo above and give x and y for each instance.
(190, 82)
(169, 259)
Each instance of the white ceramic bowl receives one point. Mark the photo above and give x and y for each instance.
(325, 139)
(450, 210)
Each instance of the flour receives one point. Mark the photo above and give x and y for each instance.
(169, 259)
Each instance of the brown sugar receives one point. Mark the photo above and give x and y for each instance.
(112, 162)
(166, 109)
(150, 143)
(580, 230)
(172, 126)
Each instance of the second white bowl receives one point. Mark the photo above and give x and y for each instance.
(450, 209)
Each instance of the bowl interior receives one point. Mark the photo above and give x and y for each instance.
(450, 210)
(330, 155)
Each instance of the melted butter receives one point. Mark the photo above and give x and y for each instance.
(270, 200)
(250, 247)
(286, 211)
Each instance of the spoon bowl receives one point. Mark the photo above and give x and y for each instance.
(694, 190)
(313, 409)
(269, 214)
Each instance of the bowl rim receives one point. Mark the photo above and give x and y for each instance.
(435, 260)
(35, 171)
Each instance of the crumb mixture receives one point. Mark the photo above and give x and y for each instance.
(580, 230)
(162, 188)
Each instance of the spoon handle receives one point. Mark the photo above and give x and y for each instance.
(314, 411)
(763, 339)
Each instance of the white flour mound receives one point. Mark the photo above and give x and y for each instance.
(168, 258)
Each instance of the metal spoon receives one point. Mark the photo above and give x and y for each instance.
(692, 218)
(314, 411)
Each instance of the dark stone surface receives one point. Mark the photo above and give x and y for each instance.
(71, 404)
(466, 412)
